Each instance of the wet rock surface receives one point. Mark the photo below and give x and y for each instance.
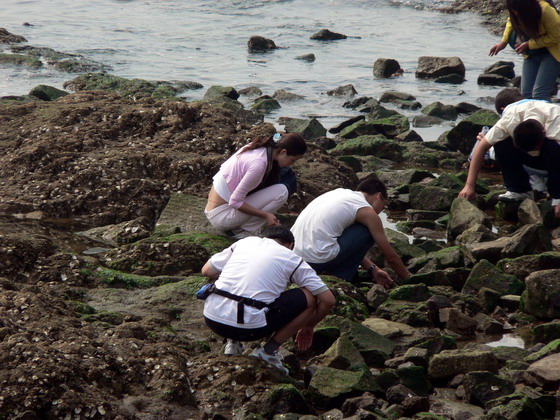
(102, 237)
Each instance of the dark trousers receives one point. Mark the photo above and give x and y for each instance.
(354, 242)
(511, 159)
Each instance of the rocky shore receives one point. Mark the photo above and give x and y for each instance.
(102, 238)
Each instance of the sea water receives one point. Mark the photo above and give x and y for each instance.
(206, 42)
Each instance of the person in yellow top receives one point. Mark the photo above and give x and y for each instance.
(533, 29)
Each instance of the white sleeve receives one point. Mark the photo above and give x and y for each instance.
(305, 276)
(218, 261)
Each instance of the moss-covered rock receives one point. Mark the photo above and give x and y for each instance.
(284, 398)
(430, 198)
(47, 93)
(373, 347)
(481, 387)
(551, 348)
(21, 60)
(119, 279)
(308, 128)
(120, 85)
(485, 274)
(341, 355)
(377, 145)
(450, 257)
(266, 105)
(545, 333)
(541, 297)
(462, 137)
(437, 109)
(414, 378)
(522, 266)
(350, 302)
(410, 293)
(330, 387)
(452, 362)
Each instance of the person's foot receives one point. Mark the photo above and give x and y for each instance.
(515, 196)
(233, 347)
(272, 359)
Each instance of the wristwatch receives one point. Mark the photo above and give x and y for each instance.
(371, 268)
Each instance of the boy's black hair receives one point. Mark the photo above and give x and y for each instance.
(280, 232)
(505, 97)
(372, 185)
(528, 135)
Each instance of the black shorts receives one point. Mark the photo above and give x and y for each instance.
(281, 312)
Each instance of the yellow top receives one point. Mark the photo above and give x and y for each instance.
(549, 28)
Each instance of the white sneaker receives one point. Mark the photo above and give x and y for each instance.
(538, 183)
(515, 196)
(233, 347)
(272, 359)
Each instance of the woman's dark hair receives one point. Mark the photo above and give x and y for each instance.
(506, 97)
(294, 144)
(527, 18)
(372, 185)
(280, 232)
(528, 135)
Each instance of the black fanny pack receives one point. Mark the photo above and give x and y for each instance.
(210, 288)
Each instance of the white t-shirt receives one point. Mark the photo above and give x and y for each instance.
(320, 224)
(544, 112)
(258, 268)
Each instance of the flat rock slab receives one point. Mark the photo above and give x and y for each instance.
(186, 213)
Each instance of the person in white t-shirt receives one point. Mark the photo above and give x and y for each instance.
(250, 300)
(517, 166)
(335, 231)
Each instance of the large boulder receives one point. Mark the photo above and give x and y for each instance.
(462, 137)
(373, 347)
(308, 128)
(47, 93)
(529, 239)
(450, 257)
(449, 363)
(346, 90)
(327, 35)
(259, 43)
(464, 216)
(485, 274)
(9, 38)
(330, 387)
(390, 127)
(284, 398)
(456, 410)
(434, 67)
(483, 386)
(386, 67)
(439, 110)
(428, 197)
(522, 266)
(341, 355)
(377, 145)
(541, 297)
(545, 372)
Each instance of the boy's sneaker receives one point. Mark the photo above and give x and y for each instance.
(233, 347)
(272, 359)
(515, 196)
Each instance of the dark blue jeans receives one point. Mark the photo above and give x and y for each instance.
(289, 179)
(511, 159)
(540, 70)
(354, 242)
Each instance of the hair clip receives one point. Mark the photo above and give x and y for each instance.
(276, 137)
